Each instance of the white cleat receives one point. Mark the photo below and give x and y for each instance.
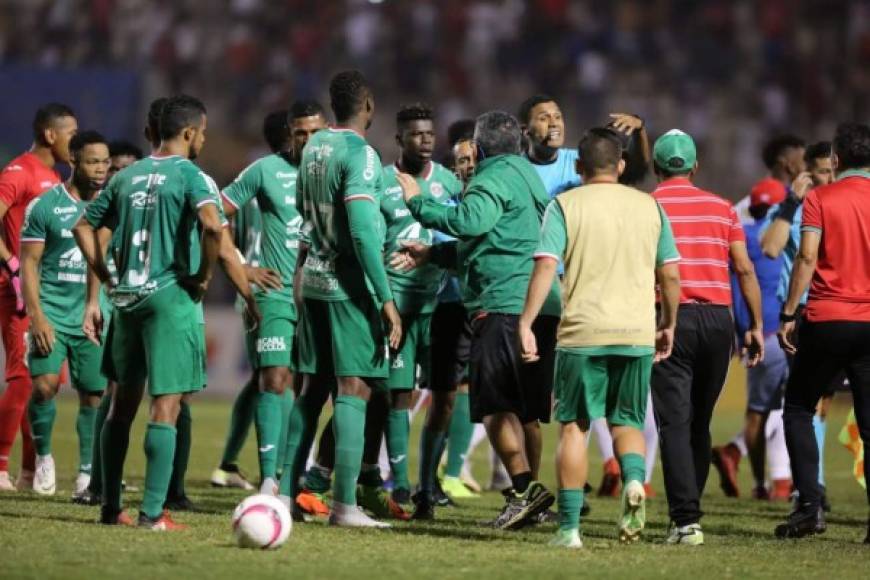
(44, 482)
(633, 517)
(83, 480)
(350, 516)
(269, 486)
(222, 478)
(6, 482)
(567, 539)
(25, 480)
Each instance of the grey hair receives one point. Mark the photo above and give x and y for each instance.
(498, 133)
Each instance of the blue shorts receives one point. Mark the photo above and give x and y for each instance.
(765, 382)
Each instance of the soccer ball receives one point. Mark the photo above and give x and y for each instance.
(261, 521)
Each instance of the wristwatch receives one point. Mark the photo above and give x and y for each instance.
(783, 317)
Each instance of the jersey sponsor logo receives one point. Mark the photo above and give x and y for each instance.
(289, 200)
(149, 179)
(65, 210)
(395, 191)
(271, 344)
(436, 189)
(64, 233)
(67, 277)
(142, 199)
(369, 171)
(72, 258)
(45, 184)
(400, 213)
(398, 362)
(15, 168)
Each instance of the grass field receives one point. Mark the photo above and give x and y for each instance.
(51, 538)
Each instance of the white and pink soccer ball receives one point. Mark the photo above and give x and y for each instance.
(262, 522)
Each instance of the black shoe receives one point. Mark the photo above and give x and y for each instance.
(87, 498)
(179, 504)
(519, 510)
(424, 507)
(826, 505)
(440, 498)
(111, 517)
(402, 496)
(585, 509)
(804, 521)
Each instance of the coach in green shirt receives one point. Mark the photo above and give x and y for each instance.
(496, 225)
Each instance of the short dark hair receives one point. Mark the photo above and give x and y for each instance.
(306, 108)
(461, 130)
(154, 110)
(347, 93)
(179, 112)
(414, 112)
(525, 111)
(275, 130)
(852, 145)
(498, 133)
(599, 149)
(776, 146)
(124, 148)
(83, 138)
(46, 115)
(819, 150)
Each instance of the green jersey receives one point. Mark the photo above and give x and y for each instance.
(271, 181)
(338, 191)
(62, 272)
(417, 289)
(151, 206)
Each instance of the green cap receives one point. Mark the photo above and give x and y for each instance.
(675, 152)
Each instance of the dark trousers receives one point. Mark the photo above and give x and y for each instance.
(685, 388)
(824, 350)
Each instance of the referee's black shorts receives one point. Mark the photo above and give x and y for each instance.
(450, 347)
(500, 381)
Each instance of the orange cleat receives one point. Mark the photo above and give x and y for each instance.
(164, 523)
(116, 519)
(610, 482)
(780, 490)
(726, 460)
(312, 503)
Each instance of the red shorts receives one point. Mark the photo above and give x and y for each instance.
(14, 326)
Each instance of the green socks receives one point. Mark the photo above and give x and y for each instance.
(431, 446)
(398, 432)
(183, 439)
(114, 440)
(85, 428)
(633, 467)
(159, 452)
(240, 421)
(349, 421)
(301, 429)
(96, 485)
(459, 435)
(286, 409)
(41, 417)
(570, 503)
(267, 419)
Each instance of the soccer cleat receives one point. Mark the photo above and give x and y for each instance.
(633, 517)
(350, 516)
(424, 508)
(455, 489)
(805, 520)
(649, 491)
(760, 492)
(312, 503)
(179, 504)
(44, 480)
(726, 460)
(401, 495)
(690, 535)
(567, 539)
(269, 486)
(468, 480)
(780, 490)
(610, 481)
(227, 478)
(440, 498)
(83, 481)
(25, 480)
(110, 517)
(87, 497)
(520, 510)
(6, 482)
(378, 501)
(163, 523)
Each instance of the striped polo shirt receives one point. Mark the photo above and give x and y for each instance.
(704, 226)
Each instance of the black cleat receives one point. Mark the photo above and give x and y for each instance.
(401, 496)
(111, 517)
(424, 508)
(804, 521)
(87, 497)
(521, 510)
(585, 509)
(179, 504)
(440, 498)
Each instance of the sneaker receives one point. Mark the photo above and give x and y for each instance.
(179, 504)
(110, 517)
(567, 539)
(726, 460)
(25, 480)
(378, 501)
(520, 510)
(760, 492)
(6, 482)
(610, 481)
(401, 495)
(469, 481)
(440, 498)
(312, 503)
(44, 481)
(690, 535)
(83, 481)
(227, 478)
(87, 497)
(163, 523)
(633, 517)
(805, 520)
(649, 491)
(455, 489)
(269, 486)
(780, 490)
(424, 508)
(350, 516)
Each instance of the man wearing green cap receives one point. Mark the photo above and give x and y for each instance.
(685, 387)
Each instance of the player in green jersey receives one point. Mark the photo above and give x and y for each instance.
(415, 291)
(347, 318)
(153, 208)
(271, 180)
(53, 274)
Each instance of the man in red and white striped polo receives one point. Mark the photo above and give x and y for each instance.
(685, 386)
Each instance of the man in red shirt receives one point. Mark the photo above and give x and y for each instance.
(834, 336)
(26, 176)
(685, 386)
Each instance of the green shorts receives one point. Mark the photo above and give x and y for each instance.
(160, 339)
(414, 350)
(271, 344)
(342, 338)
(82, 355)
(612, 386)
